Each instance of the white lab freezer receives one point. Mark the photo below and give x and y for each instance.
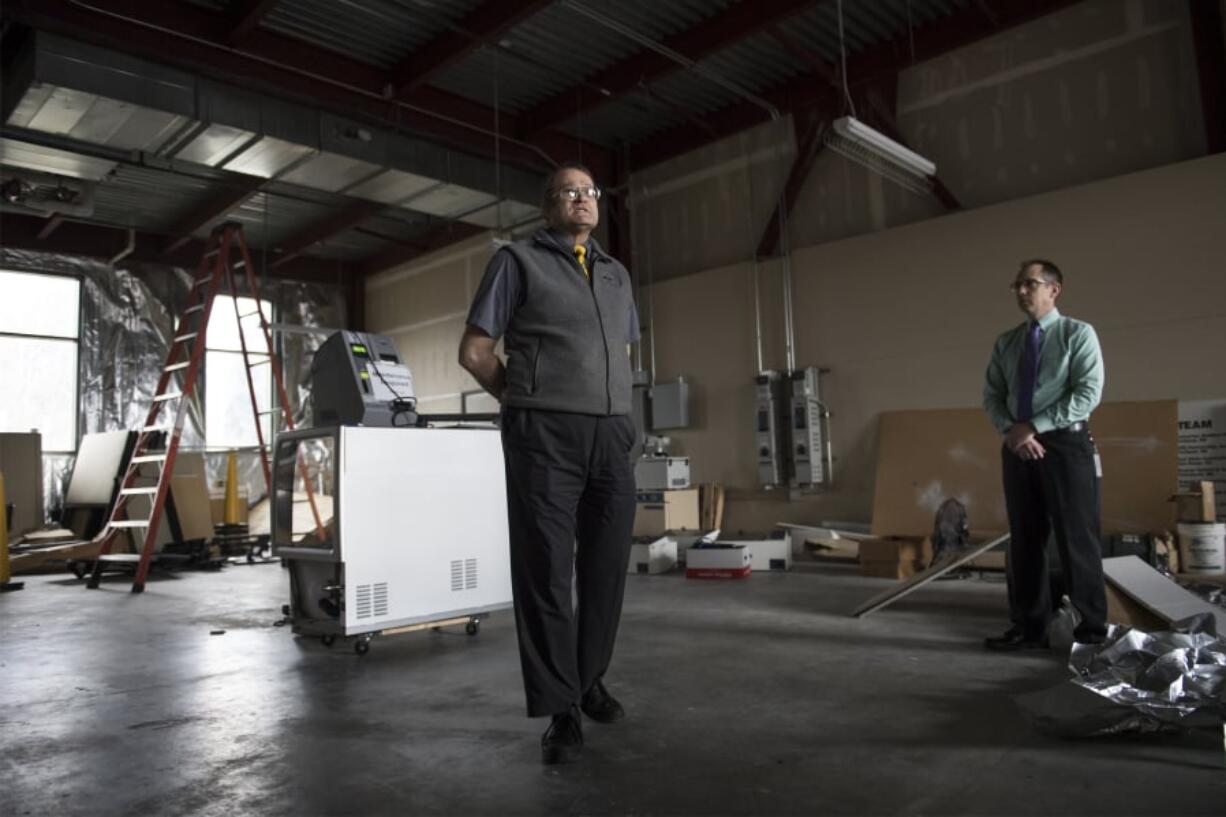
(402, 527)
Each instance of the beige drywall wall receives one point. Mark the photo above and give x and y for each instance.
(422, 307)
(905, 319)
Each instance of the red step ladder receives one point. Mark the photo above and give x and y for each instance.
(175, 389)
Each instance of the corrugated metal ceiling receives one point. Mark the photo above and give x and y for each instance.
(540, 58)
(378, 32)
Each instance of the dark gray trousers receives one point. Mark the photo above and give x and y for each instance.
(570, 507)
(1059, 494)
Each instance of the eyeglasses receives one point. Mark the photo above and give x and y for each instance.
(1028, 284)
(575, 193)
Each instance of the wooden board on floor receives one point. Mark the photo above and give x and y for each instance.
(909, 586)
(51, 559)
(924, 457)
(1157, 593)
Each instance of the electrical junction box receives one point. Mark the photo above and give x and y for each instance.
(670, 405)
(770, 416)
(661, 473)
(807, 427)
(358, 378)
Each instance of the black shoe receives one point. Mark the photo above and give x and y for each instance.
(563, 740)
(1013, 640)
(600, 706)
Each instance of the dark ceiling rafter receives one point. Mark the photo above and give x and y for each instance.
(737, 23)
(808, 146)
(882, 118)
(244, 16)
(961, 28)
(397, 254)
(477, 28)
(346, 218)
(99, 241)
(1209, 41)
(297, 69)
(50, 226)
(210, 210)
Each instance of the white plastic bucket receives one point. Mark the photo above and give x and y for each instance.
(1202, 547)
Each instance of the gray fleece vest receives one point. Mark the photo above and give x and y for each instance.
(566, 344)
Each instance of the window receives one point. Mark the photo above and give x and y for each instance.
(229, 421)
(40, 322)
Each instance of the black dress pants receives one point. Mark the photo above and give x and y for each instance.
(570, 505)
(1059, 494)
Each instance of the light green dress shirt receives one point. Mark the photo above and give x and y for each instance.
(1070, 380)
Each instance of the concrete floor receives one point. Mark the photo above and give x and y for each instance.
(754, 697)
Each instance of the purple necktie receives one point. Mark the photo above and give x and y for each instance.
(1028, 373)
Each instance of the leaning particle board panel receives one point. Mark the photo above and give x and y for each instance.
(97, 468)
(937, 570)
(923, 457)
(21, 462)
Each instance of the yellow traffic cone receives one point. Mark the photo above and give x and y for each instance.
(230, 514)
(5, 573)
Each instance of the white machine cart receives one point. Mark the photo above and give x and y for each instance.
(410, 531)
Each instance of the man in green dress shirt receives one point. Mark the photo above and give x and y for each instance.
(1044, 379)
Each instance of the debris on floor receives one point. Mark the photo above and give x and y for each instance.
(1138, 681)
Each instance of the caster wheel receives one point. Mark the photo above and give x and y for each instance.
(327, 640)
(361, 647)
(78, 569)
(472, 627)
(285, 609)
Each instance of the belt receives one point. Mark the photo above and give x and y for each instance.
(1080, 425)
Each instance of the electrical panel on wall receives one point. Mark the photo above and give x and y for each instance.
(770, 417)
(670, 405)
(809, 441)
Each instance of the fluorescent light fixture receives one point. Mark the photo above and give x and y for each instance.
(857, 141)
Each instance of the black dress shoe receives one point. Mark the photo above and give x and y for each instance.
(563, 740)
(1013, 640)
(600, 706)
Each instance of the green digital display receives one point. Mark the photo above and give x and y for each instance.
(359, 349)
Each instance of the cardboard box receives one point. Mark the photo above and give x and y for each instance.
(21, 462)
(896, 549)
(661, 473)
(659, 556)
(766, 554)
(718, 562)
(686, 540)
(1197, 505)
(658, 512)
(891, 570)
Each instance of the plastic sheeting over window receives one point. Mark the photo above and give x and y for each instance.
(127, 317)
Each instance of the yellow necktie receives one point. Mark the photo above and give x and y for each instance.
(581, 256)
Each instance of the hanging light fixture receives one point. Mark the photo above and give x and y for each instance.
(867, 146)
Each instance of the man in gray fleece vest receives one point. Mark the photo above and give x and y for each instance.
(565, 310)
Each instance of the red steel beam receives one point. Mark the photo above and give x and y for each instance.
(875, 63)
(194, 37)
(883, 120)
(1209, 39)
(484, 23)
(244, 18)
(398, 254)
(50, 225)
(346, 218)
(104, 241)
(737, 23)
(808, 146)
(212, 209)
